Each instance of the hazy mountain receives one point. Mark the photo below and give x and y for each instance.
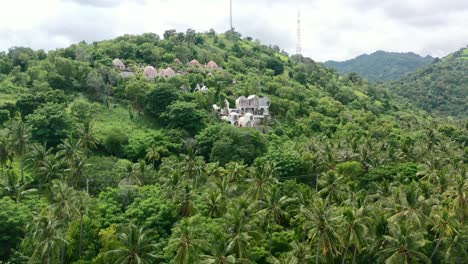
(381, 65)
(441, 87)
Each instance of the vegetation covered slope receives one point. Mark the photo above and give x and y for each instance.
(100, 169)
(381, 65)
(441, 87)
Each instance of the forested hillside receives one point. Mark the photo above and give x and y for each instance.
(104, 165)
(441, 87)
(381, 65)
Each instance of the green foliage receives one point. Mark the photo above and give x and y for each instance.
(159, 98)
(343, 171)
(186, 116)
(224, 143)
(50, 124)
(115, 141)
(13, 220)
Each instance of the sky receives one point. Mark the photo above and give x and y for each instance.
(330, 29)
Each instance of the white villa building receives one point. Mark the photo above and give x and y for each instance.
(249, 112)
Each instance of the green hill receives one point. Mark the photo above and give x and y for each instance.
(441, 87)
(381, 65)
(101, 164)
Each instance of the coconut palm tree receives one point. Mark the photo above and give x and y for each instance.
(239, 228)
(185, 201)
(5, 153)
(355, 231)
(404, 246)
(36, 158)
(332, 187)
(299, 254)
(261, 182)
(186, 246)
(274, 209)
(218, 253)
(64, 205)
(47, 238)
(51, 169)
(70, 151)
(411, 207)
(15, 189)
(88, 139)
(135, 246)
(216, 204)
(82, 205)
(235, 171)
(19, 135)
(153, 154)
(445, 225)
(458, 196)
(321, 225)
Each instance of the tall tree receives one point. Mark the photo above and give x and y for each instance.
(20, 135)
(136, 246)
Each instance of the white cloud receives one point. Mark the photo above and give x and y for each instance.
(331, 29)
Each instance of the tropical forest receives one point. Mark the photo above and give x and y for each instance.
(110, 152)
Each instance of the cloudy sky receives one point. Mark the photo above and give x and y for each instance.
(331, 29)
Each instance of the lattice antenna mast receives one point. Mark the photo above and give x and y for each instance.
(298, 44)
(230, 14)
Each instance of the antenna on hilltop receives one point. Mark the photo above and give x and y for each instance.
(298, 44)
(230, 12)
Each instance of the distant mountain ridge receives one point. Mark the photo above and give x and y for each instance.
(441, 87)
(382, 65)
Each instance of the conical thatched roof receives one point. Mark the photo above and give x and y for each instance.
(150, 72)
(212, 65)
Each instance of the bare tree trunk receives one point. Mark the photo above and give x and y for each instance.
(439, 241)
(344, 255)
(22, 171)
(354, 255)
(81, 235)
(62, 257)
(317, 252)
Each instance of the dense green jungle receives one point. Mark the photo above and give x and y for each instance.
(101, 164)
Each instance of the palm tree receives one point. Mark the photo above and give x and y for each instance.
(70, 151)
(15, 189)
(19, 137)
(136, 246)
(333, 187)
(445, 225)
(459, 197)
(411, 207)
(187, 247)
(185, 202)
(82, 203)
(300, 254)
(64, 206)
(240, 229)
(355, 231)
(153, 154)
(5, 154)
(216, 204)
(218, 253)
(235, 171)
(51, 169)
(261, 182)
(404, 246)
(78, 173)
(321, 226)
(88, 139)
(274, 209)
(36, 158)
(46, 237)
